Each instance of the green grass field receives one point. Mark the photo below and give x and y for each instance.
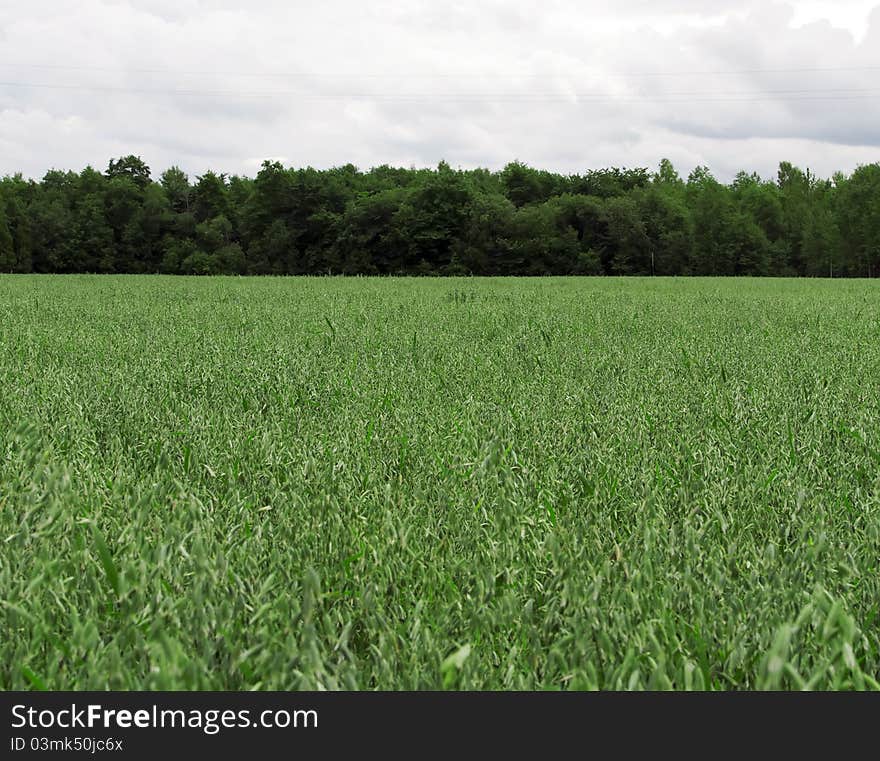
(407, 484)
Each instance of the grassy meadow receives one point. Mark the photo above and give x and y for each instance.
(221, 483)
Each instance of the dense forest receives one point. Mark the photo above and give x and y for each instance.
(519, 221)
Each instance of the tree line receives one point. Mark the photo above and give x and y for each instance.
(518, 221)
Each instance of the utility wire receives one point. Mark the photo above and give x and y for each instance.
(714, 96)
(411, 75)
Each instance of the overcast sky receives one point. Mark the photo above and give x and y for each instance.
(560, 84)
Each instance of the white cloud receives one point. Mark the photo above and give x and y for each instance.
(561, 84)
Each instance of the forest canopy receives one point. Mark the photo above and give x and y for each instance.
(519, 221)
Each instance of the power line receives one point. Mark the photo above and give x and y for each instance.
(741, 96)
(412, 75)
(734, 72)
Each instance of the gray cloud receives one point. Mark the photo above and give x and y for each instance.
(561, 84)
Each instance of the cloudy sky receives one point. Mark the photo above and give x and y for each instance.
(561, 84)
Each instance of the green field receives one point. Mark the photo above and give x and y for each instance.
(421, 483)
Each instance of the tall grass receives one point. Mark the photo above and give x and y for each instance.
(420, 484)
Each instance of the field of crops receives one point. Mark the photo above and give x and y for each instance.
(462, 483)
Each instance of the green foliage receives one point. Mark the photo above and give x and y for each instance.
(627, 249)
(368, 241)
(432, 216)
(391, 221)
(422, 484)
(858, 208)
(132, 168)
(524, 186)
(177, 189)
(211, 197)
(15, 194)
(95, 238)
(7, 247)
